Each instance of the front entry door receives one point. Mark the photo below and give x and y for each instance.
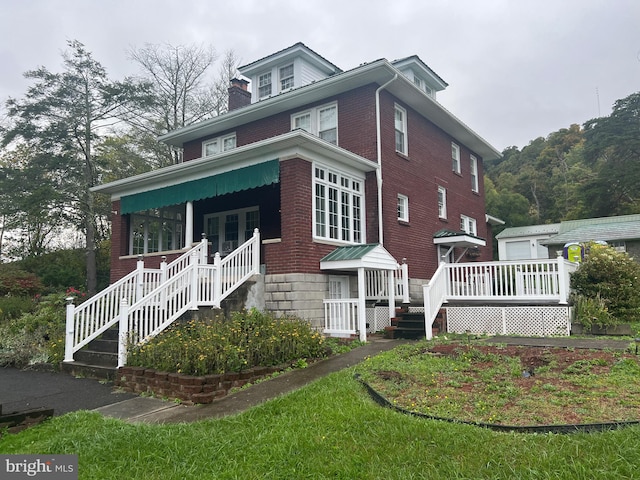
(228, 230)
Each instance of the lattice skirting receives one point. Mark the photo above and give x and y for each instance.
(537, 321)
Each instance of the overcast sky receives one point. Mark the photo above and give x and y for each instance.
(516, 69)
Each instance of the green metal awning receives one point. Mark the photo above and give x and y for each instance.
(351, 257)
(259, 175)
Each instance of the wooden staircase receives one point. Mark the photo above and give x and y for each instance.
(411, 325)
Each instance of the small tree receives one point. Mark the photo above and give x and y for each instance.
(612, 279)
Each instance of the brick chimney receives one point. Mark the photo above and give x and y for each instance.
(239, 96)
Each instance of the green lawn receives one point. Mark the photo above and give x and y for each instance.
(330, 429)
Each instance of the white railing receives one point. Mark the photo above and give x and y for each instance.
(146, 301)
(377, 281)
(435, 293)
(90, 319)
(341, 317)
(195, 285)
(524, 280)
(538, 281)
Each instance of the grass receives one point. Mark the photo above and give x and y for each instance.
(508, 385)
(329, 429)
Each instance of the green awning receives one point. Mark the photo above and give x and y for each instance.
(245, 178)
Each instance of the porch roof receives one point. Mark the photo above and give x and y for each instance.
(352, 257)
(457, 239)
(245, 178)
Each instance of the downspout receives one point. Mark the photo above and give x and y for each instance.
(379, 151)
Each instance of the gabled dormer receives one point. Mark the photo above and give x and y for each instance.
(421, 75)
(287, 69)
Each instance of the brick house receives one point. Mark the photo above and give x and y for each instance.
(323, 162)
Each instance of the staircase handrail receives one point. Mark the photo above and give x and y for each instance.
(97, 314)
(434, 296)
(182, 292)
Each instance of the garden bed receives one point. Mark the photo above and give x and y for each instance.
(509, 385)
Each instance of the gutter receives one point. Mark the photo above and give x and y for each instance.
(379, 151)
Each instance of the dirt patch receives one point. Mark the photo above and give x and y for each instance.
(513, 385)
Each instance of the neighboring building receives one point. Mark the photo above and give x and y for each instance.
(621, 232)
(317, 159)
(526, 243)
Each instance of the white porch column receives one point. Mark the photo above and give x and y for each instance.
(362, 305)
(391, 287)
(188, 227)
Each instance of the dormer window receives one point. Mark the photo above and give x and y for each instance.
(264, 85)
(422, 85)
(286, 77)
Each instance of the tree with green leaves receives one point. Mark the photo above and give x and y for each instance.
(612, 151)
(62, 117)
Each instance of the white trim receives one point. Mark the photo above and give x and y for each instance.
(403, 208)
(219, 143)
(402, 130)
(314, 119)
(442, 212)
(475, 181)
(455, 158)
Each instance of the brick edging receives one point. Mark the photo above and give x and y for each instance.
(188, 389)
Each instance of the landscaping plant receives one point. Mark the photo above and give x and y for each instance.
(248, 339)
(607, 287)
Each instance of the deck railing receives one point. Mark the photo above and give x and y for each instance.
(377, 282)
(530, 281)
(340, 316)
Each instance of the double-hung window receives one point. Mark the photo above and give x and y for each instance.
(264, 85)
(218, 145)
(468, 225)
(338, 206)
(474, 174)
(455, 158)
(403, 208)
(321, 121)
(442, 202)
(286, 77)
(401, 129)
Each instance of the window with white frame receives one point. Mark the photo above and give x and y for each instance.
(474, 174)
(264, 85)
(422, 85)
(338, 205)
(400, 123)
(468, 225)
(156, 230)
(442, 202)
(455, 158)
(321, 121)
(218, 145)
(403, 208)
(286, 77)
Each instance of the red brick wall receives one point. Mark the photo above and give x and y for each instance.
(418, 175)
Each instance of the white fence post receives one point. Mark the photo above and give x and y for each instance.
(204, 254)
(140, 279)
(123, 332)
(69, 331)
(217, 280)
(563, 281)
(256, 252)
(405, 281)
(193, 263)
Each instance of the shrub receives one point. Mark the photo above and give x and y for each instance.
(248, 339)
(12, 307)
(592, 311)
(34, 337)
(17, 282)
(613, 277)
